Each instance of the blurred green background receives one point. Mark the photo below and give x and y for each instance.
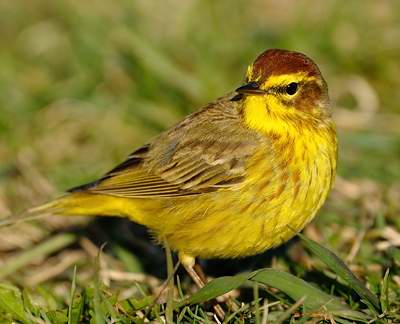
(83, 83)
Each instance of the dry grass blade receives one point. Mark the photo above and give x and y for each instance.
(41, 250)
(289, 312)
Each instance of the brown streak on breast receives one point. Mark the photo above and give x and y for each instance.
(297, 183)
(311, 174)
(275, 136)
(245, 208)
(278, 192)
(285, 177)
(303, 156)
(264, 185)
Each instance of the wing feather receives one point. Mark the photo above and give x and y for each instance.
(206, 152)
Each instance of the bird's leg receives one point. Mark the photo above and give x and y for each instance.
(199, 270)
(188, 263)
(196, 273)
(171, 286)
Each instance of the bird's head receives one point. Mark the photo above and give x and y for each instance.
(284, 85)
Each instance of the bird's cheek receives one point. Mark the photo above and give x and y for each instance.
(255, 111)
(272, 103)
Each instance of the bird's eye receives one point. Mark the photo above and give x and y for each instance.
(291, 88)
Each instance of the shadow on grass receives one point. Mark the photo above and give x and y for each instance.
(139, 241)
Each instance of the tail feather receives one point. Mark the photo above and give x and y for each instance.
(27, 215)
(76, 204)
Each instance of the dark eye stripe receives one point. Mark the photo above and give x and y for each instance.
(289, 89)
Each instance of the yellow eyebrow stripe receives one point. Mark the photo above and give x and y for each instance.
(275, 80)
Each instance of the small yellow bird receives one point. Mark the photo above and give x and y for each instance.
(240, 175)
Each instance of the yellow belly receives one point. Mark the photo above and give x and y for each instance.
(269, 208)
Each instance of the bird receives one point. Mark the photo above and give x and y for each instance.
(236, 177)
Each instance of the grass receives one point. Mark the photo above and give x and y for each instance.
(84, 83)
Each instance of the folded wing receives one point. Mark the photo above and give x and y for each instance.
(207, 151)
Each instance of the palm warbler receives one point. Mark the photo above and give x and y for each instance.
(237, 177)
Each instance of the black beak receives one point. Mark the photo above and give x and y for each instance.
(251, 88)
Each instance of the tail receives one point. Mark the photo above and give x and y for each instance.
(77, 204)
(25, 216)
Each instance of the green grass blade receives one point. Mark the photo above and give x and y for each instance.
(55, 316)
(169, 312)
(297, 288)
(131, 261)
(28, 306)
(384, 296)
(99, 316)
(160, 65)
(217, 287)
(340, 268)
(11, 303)
(71, 298)
(256, 298)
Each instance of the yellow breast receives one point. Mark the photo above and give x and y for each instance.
(280, 195)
